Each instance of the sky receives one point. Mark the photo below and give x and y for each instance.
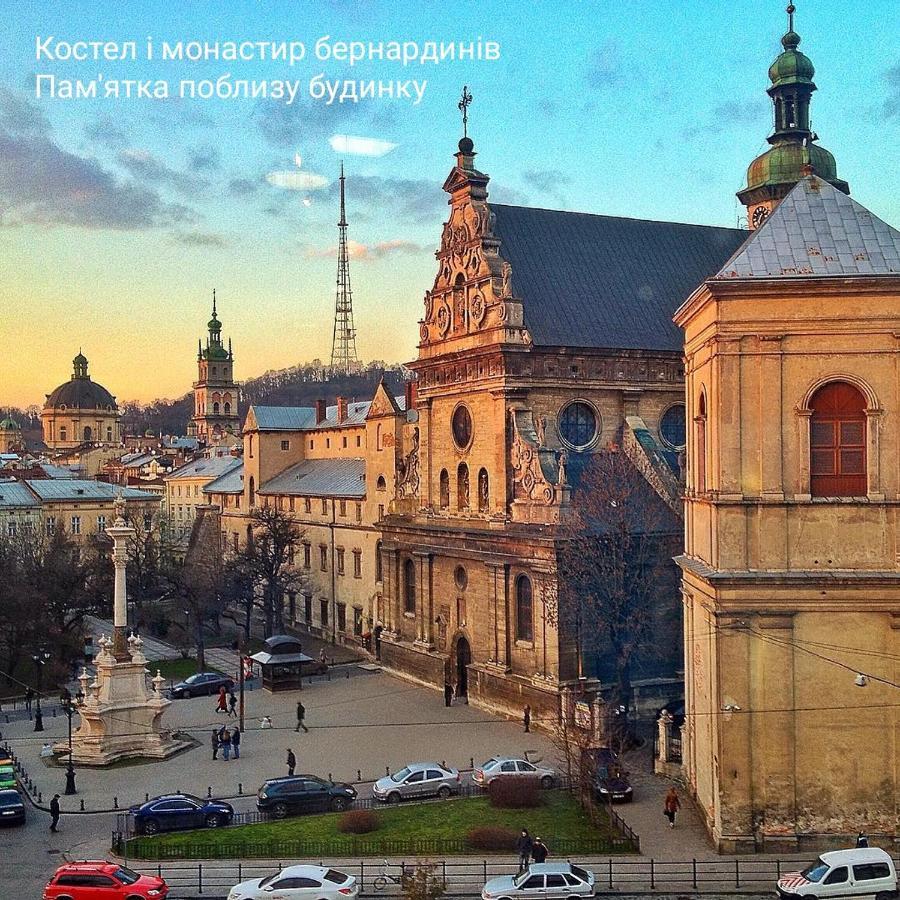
(118, 216)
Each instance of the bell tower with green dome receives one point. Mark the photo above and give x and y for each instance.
(216, 419)
(794, 152)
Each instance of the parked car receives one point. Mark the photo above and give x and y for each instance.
(303, 793)
(101, 880)
(7, 777)
(859, 872)
(500, 766)
(416, 780)
(173, 812)
(12, 808)
(611, 784)
(551, 880)
(201, 685)
(296, 882)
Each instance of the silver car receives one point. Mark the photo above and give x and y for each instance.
(299, 883)
(417, 780)
(554, 881)
(500, 766)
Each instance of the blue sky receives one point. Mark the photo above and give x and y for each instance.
(118, 218)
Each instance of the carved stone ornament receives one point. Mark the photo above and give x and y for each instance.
(506, 289)
(443, 319)
(477, 309)
(423, 333)
(408, 470)
(535, 468)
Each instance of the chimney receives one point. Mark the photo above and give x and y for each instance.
(411, 392)
(320, 411)
(341, 409)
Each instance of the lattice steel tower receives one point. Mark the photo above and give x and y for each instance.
(343, 345)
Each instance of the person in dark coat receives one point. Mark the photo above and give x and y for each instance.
(215, 743)
(448, 693)
(539, 851)
(524, 843)
(236, 742)
(526, 718)
(54, 812)
(232, 705)
(301, 715)
(291, 761)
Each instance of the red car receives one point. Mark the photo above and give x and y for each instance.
(97, 879)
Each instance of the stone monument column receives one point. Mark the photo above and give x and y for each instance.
(120, 531)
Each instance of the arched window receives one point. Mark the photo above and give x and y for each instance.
(252, 491)
(227, 409)
(62, 433)
(409, 586)
(109, 434)
(444, 498)
(381, 484)
(837, 441)
(88, 434)
(379, 569)
(215, 409)
(462, 486)
(484, 491)
(700, 444)
(524, 609)
(378, 436)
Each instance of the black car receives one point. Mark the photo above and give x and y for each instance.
(303, 793)
(12, 808)
(174, 812)
(202, 684)
(611, 784)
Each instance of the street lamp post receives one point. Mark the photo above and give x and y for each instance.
(68, 705)
(40, 660)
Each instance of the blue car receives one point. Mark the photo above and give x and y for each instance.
(175, 812)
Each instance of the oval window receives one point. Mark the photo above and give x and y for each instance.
(461, 578)
(672, 428)
(462, 427)
(578, 425)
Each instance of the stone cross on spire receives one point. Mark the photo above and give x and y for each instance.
(463, 107)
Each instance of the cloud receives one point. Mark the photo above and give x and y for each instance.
(200, 239)
(204, 158)
(41, 183)
(605, 69)
(548, 181)
(360, 146)
(508, 196)
(891, 107)
(725, 115)
(144, 166)
(295, 180)
(415, 200)
(368, 252)
(243, 187)
(104, 130)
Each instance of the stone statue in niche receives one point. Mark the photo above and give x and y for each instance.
(540, 427)
(563, 462)
(408, 470)
(464, 488)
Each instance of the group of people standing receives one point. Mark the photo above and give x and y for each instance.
(226, 741)
(530, 850)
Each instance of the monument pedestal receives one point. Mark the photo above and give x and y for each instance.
(120, 712)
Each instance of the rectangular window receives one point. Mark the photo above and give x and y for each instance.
(358, 441)
(343, 508)
(307, 504)
(345, 443)
(292, 606)
(357, 563)
(323, 557)
(76, 524)
(285, 445)
(307, 608)
(359, 512)
(357, 620)
(235, 542)
(380, 511)
(340, 560)
(310, 445)
(11, 527)
(50, 524)
(324, 507)
(101, 523)
(291, 503)
(306, 556)
(323, 613)
(291, 551)
(327, 443)
(342, 617)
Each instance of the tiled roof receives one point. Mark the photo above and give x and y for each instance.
(15, 494)
(212, 467)
(232, 482)
(321, 478)
(817, 231)
(83, 489)
(604, 281)
(303, 418)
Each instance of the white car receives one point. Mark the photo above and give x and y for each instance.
(298, 883)
(555, 881)
(859, 872)
(501, 766)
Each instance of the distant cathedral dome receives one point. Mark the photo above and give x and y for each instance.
(79, 392)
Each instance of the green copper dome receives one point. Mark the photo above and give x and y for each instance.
(80, 360)
(792, 66)
(214, 324)
(215, 351)
(9, 424)
(784, 164)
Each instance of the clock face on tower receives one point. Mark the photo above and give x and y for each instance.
(759, 216)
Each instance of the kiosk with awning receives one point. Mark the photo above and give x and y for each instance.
(284, 663)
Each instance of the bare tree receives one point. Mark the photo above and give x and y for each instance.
(616, 555)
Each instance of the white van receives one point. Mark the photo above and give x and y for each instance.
(863, 872)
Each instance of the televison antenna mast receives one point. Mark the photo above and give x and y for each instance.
(343, 345)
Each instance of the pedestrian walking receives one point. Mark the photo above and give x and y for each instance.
(672, 805)
(526, 718)
(448, 693)
(524, 843)
(291, 761)
(265, 722)
(215, 743)
(301, 715)
(225, 742)
(539, 851)
(323, 657)
(222, 705)
(232, 704)
(236, 742)
(54, 812)
(29, 696)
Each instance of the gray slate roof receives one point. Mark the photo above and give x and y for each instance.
(303, 418)
(604, 281)
(83, 489)
(232, 482)
(205, 467)
(14, 494)
(817, 231)
(321, 478)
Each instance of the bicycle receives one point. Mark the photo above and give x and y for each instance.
(381, 881)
